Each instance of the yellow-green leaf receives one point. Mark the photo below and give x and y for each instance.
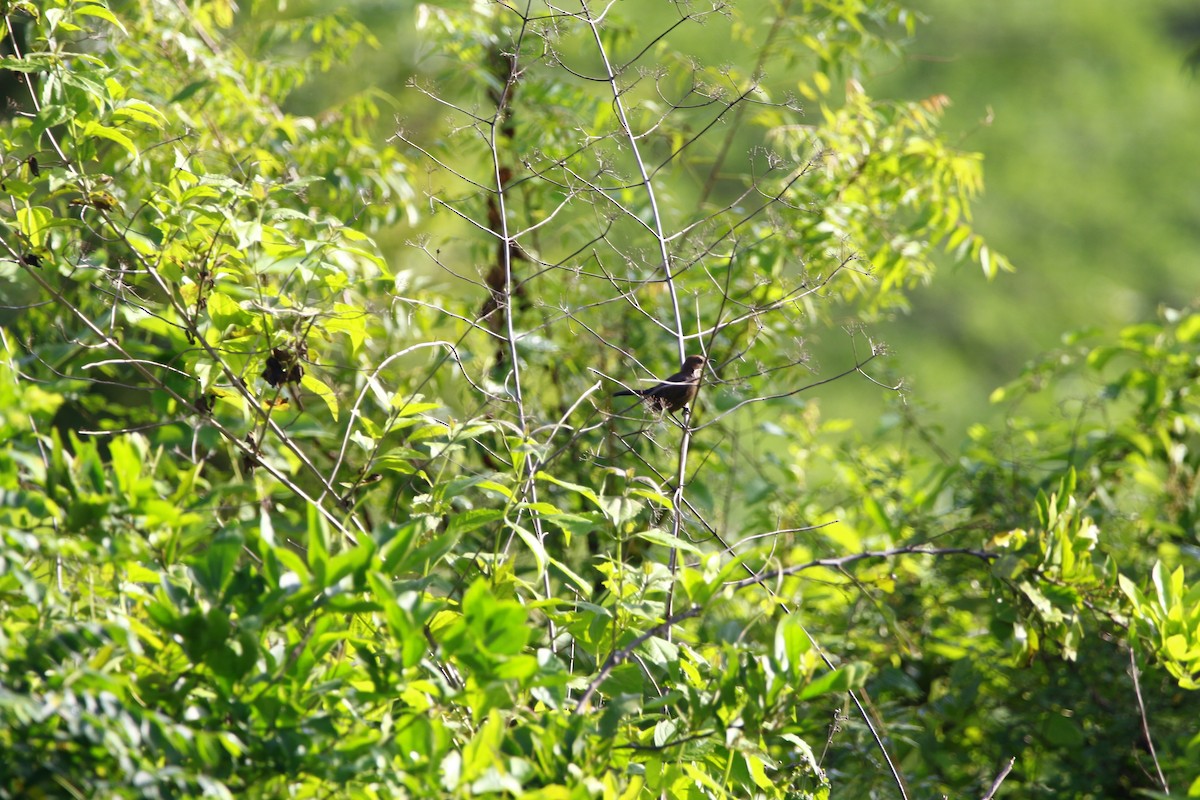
(409, 409)
(318, 387)
(535, 546)
(140, 111)
(33, 222)
(224, 311)
(143, 244)
(95, 129)
(659, 536)
(99, 12)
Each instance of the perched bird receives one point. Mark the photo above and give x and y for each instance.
(676, 391)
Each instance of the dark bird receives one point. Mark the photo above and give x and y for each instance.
(676, 391)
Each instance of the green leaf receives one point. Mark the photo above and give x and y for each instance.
(758, 771)
(533, 544)
(406, 409)
(97, 10)
(25, 65)
(483, 750)
(140, 111)
(318, 549)
(619, 509)
(664, 732)
(473, 519)
(188, 91)
(213, 569)
(321, 390)
(620, 705)
(430, 553)
(34, 221)
(662, 500)
(143, 244)
(1176, 647)
(575, 524)
(95, 129)
(351, 321)
(1160, 588)
(837, 680)
(224, 311)
(574, 487)
(352, 561)
(1062, 732)
(581, 586)
(394, 542)
(1188, 329)
(792, 642)
(666, 539)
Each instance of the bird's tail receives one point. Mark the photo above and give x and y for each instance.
(625, 391)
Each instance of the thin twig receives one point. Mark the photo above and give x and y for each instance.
(1000, 779)
(618, 657)
(1137, 692)
(841, 561)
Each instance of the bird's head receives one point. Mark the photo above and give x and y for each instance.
(694, 363)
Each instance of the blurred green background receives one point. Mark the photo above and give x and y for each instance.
(1088, 116)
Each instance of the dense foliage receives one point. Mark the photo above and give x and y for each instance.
(284, 514)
